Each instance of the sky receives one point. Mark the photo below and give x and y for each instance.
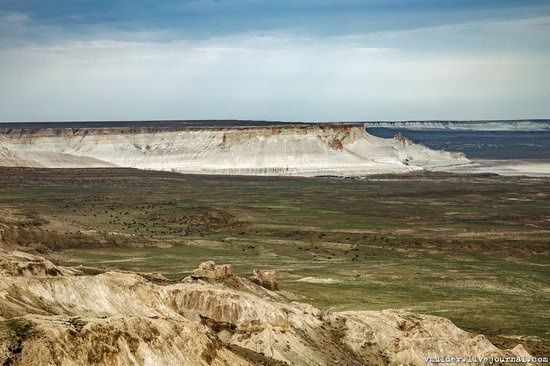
(287, 60)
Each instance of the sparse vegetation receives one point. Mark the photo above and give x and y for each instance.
(19, 330)
(474, 249)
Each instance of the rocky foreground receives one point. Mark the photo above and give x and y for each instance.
(53, 315)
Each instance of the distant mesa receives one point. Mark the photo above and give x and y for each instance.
(494, 125)
(227, 147)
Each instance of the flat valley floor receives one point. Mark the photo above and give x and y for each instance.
(471, 248)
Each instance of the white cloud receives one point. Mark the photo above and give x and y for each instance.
(278, 76)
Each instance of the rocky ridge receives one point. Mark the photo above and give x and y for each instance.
(291, 150)
(56, 315)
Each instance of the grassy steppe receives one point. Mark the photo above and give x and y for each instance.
(475, 249)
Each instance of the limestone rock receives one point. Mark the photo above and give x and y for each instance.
(266, 279)
(405, 141)
(116, 318)
(211, 271)
(299, 150)
(15, 263)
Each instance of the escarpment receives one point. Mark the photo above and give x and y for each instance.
(302, 150)
(64, 317)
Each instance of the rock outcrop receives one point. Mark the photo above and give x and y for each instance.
(116, 318)
(301, 150)
(487, 125)
(212, 272)
(405, 141)
(17, 263)
(266, 279)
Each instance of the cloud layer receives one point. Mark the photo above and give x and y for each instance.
(482, 63)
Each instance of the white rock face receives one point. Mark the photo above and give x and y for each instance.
(123, 319)
(522, 125)
(306, 150)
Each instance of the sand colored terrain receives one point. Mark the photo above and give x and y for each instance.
(66, 316)
(532, 168)
(303, 150)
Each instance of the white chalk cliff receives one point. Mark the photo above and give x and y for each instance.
(504, 125)
(304, 150)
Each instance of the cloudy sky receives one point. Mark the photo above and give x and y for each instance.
(295, 60)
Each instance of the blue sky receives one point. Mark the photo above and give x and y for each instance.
(308, 60)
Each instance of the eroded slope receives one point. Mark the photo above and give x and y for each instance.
(213, 317)
(284, 150)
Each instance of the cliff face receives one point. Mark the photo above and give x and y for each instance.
(305, 150)
(504, 125)
(62, 316)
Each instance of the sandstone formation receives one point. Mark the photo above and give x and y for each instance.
(211, 272)
(63, 317)
(303, 150)
(17, 263)
(266, 279)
